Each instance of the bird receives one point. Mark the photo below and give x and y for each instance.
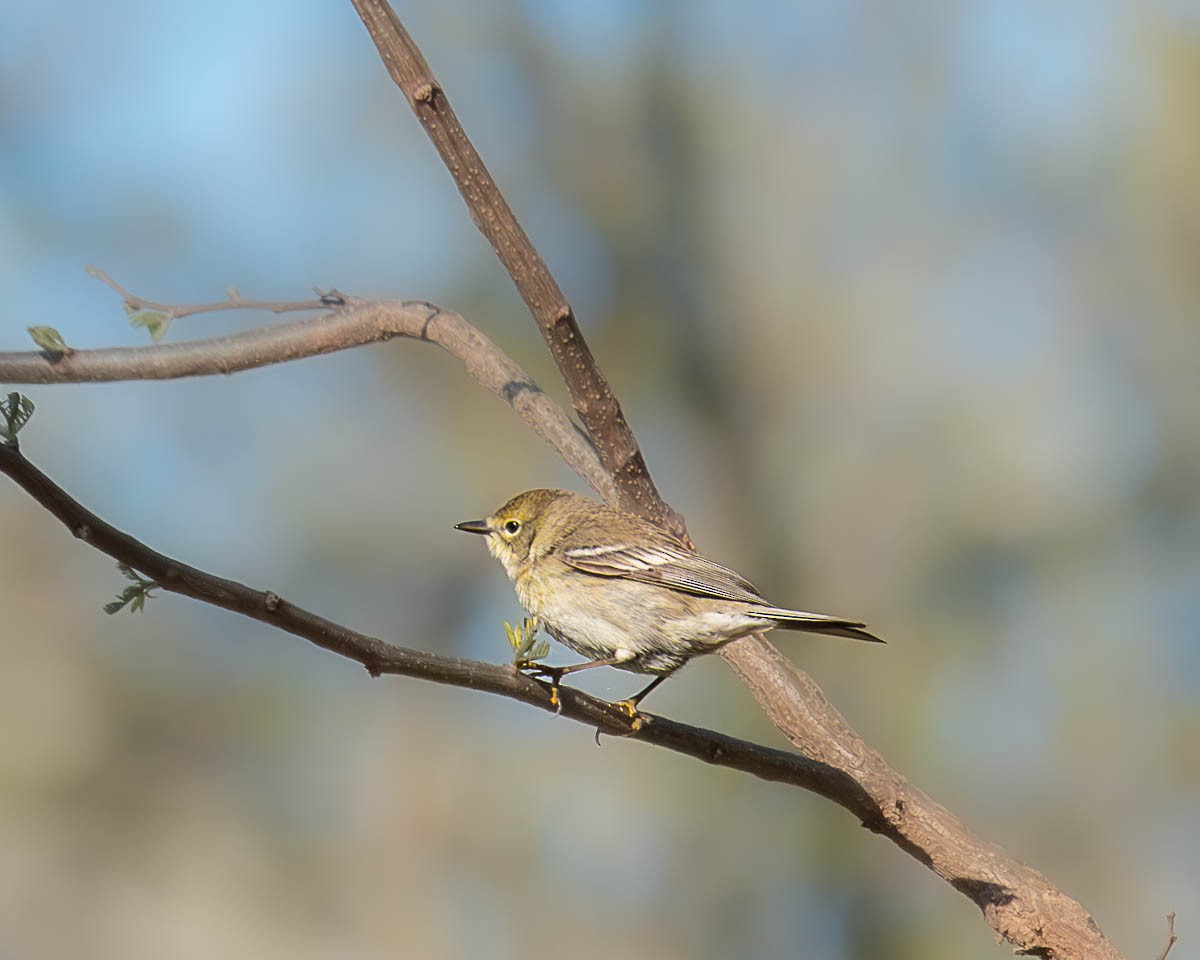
(622, 592)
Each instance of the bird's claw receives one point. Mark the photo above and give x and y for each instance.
(532, 668)
(629, 708)
(552, 674)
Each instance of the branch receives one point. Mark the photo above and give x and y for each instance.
(1019, 903)
(380, 657)
(1171, 936)
(356, 323)
(590, 393)
(234, 301)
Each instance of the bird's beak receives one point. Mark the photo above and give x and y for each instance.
(473, 526)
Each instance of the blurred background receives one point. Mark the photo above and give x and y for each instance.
(903, 306)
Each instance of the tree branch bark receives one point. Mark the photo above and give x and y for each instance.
(1019, 904)
(591, 396)
(355, 324)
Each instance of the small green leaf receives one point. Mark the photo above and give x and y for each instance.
(523, 640)
(124, 598)
(16, 409)
(155, 321)
(49, 339)
(134, 596)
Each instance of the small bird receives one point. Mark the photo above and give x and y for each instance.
(624, 593)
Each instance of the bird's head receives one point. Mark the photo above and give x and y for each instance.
(511, 529)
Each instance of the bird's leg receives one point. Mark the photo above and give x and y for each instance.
(630, 705)
(606, 662)
(555, 674)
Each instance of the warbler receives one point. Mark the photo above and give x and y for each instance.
(624, 593)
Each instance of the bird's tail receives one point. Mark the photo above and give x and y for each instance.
(818, 623)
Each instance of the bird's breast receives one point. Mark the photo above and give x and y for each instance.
(529, 591)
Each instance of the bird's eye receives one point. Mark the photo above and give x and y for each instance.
(512, 527)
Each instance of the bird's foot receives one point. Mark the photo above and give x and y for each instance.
(629, 708)
(541, 672)
(533, 669)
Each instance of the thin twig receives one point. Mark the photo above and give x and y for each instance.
(357, 323)
(591, 395)
(1171, 938)
(233, 302)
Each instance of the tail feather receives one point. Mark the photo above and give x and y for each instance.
(819, 623)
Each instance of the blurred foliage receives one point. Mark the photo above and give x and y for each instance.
(902, 304)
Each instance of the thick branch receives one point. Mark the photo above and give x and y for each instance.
(380, 657)
(357, 323)
(590, 393)
(1017, 901)
(1019, 904)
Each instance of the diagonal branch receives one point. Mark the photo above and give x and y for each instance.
(356, 323)
(591, 395)
(380, 657)
(1019, 904)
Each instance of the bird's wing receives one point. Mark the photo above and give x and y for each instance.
(666, 565)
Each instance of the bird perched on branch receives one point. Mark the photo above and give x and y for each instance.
(624, 593)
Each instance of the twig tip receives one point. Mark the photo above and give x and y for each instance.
(1172, 937)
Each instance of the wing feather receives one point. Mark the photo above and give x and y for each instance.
(666, 565)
